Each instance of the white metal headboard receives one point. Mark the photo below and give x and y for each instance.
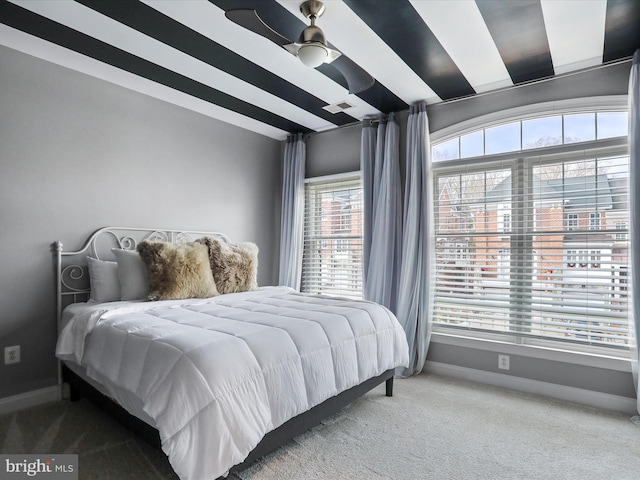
(72, 276)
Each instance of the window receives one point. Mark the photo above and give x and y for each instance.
(472, 145)
(503, 138)
(533, 271)
(579, 127)
(622, 280)
(612, 124)
(504, 264)
(582, 258)
(506, 222)
(332, 261)
(543, 131)
(462, 253)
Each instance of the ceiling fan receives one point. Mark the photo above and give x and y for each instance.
(311, 48)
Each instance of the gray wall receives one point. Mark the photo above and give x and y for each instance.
(77, 154)
(611, 80)
(339, 151)
(335, 151)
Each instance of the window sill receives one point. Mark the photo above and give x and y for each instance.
(597, 357)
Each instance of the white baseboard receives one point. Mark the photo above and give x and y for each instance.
(561, 392)
(28, 399)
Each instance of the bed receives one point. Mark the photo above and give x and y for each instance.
(214, 369)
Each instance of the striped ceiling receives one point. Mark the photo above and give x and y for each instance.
(188, 53)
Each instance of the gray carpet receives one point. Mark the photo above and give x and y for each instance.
(433, 428)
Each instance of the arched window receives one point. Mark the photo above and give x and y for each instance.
(542, 198)
(533, 131)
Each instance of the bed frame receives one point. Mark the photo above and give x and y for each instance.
(72, 286)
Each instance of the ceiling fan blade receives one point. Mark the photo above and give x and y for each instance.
(250, 20)
(357, 78)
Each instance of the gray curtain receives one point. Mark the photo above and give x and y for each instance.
(367, 167)
(292, 221)
(414, 310)
(382, 211)
(634, 213)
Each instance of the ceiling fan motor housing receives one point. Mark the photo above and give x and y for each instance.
(312, 34)
(312, 48)
(312, 8)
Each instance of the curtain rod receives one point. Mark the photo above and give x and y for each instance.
(539, 80)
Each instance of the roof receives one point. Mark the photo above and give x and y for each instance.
(568, 191)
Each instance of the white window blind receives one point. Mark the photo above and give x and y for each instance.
(332, 262)
(556, 268)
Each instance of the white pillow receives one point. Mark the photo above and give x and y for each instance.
(132, 275)
(105, 286)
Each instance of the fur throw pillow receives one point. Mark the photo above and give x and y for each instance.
(234, 266)
(177, 271)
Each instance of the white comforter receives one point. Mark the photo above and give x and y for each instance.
(217, 374)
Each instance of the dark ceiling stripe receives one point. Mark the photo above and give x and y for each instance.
(166, 30)
(622, 29)
(518, 30)
(404, 30)
(288, 25)
(29, 22)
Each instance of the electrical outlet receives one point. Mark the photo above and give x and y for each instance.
(503, 362)
(12, 354)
